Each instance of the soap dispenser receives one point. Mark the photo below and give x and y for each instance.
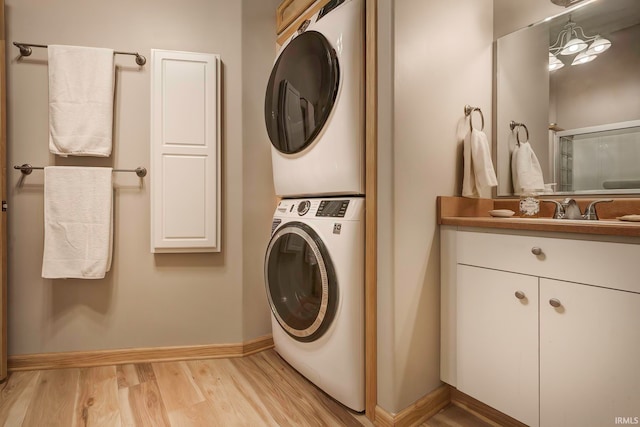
(529, 204)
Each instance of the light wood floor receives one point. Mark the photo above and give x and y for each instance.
(455, 416)
(258, 390)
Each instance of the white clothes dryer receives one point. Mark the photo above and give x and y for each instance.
(314, 105)
(314, 277)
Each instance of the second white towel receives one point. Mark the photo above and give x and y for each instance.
(81, 87)
(78, 218)
(479, 174)
(525, 169)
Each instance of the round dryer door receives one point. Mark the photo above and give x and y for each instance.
(301, 92)
(301, 283)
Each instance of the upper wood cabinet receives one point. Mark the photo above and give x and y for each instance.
(292, 13)
(289, 11)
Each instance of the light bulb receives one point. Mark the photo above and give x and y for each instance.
(598, 46)
(555, 66)
(583, 58)
(554, 63)
(573, 46)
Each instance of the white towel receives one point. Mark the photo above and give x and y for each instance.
(81, 85)
(78, 218)
(525, 169)
(479, 175)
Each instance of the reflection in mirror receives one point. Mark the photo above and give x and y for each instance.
(601, 157)
(581, 105)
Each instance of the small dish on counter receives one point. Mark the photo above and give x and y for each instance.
(635, 218)
(502, 213)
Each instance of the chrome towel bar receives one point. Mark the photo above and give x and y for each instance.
(26, 169)
(25, 50)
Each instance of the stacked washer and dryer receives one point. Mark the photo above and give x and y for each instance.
(314, 263)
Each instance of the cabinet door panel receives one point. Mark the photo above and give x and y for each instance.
(289, 11)
(497, 340)
(589, 353)
(185, 152)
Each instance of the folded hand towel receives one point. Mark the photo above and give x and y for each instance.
(81, 87)
(514, 171)
(78, 217)
(479, 175)
(525, 169)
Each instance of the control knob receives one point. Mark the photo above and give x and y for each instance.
(303, 207)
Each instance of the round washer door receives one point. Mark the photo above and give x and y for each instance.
(301, 282)
(301, 92)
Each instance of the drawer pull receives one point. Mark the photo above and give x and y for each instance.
(555, 302)
(536, 250)
(520, 295)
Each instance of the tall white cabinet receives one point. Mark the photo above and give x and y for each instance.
(543, 327)
(185, 152)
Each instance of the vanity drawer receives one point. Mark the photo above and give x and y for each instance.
(606, 264)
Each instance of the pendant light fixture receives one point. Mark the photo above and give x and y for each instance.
(572, 40)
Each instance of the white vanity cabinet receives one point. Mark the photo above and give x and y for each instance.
(589, 354)
(497, 359)
(543, 327)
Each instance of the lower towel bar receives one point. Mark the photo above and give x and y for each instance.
(26, 169)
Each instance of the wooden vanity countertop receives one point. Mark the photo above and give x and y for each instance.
(465, 212)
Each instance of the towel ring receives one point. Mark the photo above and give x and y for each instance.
(468, 111)
(515, 125)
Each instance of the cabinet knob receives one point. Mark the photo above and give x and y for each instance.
(520, 295)
(555, 302)
(536, 250)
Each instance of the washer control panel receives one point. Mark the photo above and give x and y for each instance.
(347, 208)
(303, 207)
(333, 208)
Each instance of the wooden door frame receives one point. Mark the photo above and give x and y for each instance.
(3, 192)
(371, 191)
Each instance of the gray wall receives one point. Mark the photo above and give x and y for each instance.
(259, 202)
(511, 15)
(440, 60)
(146, 300)
(522, 95)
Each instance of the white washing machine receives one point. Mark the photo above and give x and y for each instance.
(314, 105)
(314, 276)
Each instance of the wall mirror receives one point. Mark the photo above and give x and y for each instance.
(580, 102)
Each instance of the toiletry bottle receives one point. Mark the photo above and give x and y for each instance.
(529, 204)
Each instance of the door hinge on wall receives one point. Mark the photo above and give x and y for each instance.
(4, 206)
